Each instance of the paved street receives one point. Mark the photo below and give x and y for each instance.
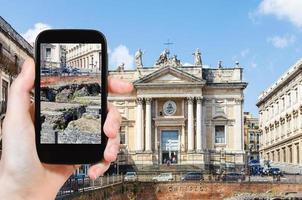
(284, 179)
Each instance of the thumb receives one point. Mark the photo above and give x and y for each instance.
(19, 103)
(18, 129)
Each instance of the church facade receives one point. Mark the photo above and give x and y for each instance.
(183, 115)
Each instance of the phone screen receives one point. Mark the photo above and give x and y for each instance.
(70, 93)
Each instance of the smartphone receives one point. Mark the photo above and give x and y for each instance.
(70, 96)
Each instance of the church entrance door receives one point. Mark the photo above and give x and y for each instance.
(169, 146)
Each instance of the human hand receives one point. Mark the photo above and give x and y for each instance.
(22, 175)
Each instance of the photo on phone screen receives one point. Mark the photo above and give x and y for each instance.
(70, 94)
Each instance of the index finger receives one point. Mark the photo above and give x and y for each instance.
(119, 86)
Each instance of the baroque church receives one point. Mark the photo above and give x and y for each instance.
(181, 115)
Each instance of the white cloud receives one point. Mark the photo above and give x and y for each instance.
(254, 16)
(31, 34)
(244, 53)
(281, 41)
(254, 65)
(290, 10)
(241, 55)
(121, 55)
(188, 64)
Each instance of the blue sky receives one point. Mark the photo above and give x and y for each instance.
(263, 35)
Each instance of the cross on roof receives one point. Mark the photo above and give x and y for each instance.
(168, 43)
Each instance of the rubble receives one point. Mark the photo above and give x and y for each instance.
(71, 114)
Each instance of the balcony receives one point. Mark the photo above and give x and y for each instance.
(8, 63)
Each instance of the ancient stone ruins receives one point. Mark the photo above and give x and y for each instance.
(70, 113)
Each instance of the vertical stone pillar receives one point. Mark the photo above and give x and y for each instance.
(300, 115)
(275, 132)
(190, 125)
(281, 155)
(300, 153)
(203, 127)
(294, 153)
(148, 125)
(287, 152)
(279, 130)
(183, 139)
(238, 128)
(139, 133)
(199, 124)
(264, 137)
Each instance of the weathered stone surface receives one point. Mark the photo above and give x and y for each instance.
(64, 95)
(68, 92)
(94, 110)
(86, 130)
(55, 118)
(64, 115)
(48, 94)
(196, 191)
(90, 116)
(88, 100)
(81, 92)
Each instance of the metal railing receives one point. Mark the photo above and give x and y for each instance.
(207, 177)
(75, 186)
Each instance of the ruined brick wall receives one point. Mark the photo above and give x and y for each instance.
(61, 80)
(183, 191)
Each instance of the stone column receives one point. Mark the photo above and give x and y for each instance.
(203, 128)
(281, 155)
(287, 154)
(294, 153)
(300, 153)
(238, 128)
(139, 133)
(300, 114)
(263, 139)
(190, 125)
(148, 125)
(183, 139)
(199, 124)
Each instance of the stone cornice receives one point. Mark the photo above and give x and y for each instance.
(11, 33)
(281, 82)
(169, 121)
(289, 139)
(167, 70)
(239, 85)
(168, 85)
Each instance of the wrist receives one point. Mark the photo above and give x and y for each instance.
(7, 191)
(10, 190)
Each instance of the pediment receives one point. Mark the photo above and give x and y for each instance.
(169, 75)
